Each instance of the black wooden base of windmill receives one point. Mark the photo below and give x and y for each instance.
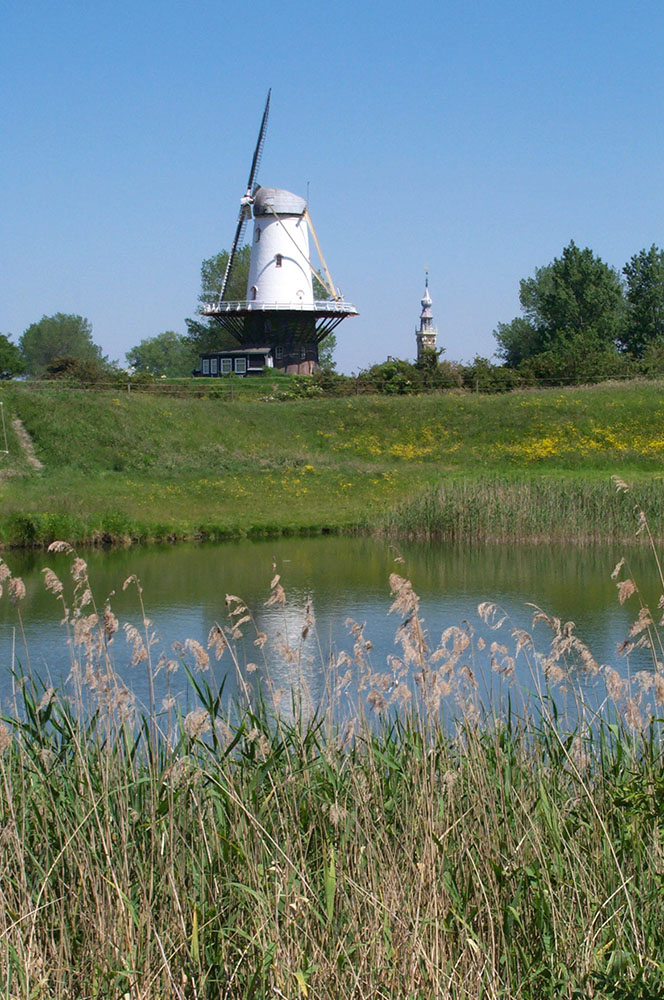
(283, 339)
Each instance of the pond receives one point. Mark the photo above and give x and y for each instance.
(341, 580)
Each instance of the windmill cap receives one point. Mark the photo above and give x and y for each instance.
(268, 200)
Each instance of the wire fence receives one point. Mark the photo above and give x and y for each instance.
(268, 387)
(193, 388)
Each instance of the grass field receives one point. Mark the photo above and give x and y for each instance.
(121, 467)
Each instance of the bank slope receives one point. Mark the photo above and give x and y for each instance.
(123, 467)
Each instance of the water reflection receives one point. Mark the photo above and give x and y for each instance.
(340, 579)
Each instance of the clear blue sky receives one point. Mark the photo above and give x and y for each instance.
(475, 138)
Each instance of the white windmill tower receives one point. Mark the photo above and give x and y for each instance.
(279, 322)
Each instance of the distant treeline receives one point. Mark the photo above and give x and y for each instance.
(582, 322)
(393, 377)
(430, 374)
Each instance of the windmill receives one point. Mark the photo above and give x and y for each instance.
(279, 322)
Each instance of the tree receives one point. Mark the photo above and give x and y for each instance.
(326, 350)
(11, 361)
(433, 373)
(205, 334)
(576, 300)
(86, 371)
(517, 341)
(577, 363)
(585, 298)
(644, 324)
(480, 375)
(61, 335)
(168, 354)
(393, 377)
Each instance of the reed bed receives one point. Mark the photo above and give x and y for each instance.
(526, 509)
(407, 839)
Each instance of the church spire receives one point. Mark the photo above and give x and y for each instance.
(426, 335)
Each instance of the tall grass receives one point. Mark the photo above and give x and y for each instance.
(525, 509)
(407, 839)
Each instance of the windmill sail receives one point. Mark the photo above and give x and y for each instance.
(245, 209)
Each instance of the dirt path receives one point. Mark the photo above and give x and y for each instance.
(26, 444)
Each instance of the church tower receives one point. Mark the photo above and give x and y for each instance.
(426, 335)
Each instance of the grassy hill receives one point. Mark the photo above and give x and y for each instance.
(120, 467)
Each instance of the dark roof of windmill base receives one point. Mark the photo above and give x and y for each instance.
(241, 350)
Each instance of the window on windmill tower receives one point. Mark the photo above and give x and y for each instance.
(258, 235)
(278, 259)
(254, 292)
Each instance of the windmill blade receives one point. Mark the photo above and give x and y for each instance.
(242, 218)
(255, 163)
(245, 210)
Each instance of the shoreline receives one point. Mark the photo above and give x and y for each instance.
(476, 510)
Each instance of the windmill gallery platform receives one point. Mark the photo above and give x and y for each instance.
(280, 324)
